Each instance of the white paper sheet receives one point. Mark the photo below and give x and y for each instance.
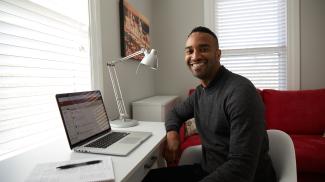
(48, 172)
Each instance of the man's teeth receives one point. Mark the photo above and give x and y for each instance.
(195, 65)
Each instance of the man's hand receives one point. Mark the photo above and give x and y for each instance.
(172, 147)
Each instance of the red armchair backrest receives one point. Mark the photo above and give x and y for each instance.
(295, 112)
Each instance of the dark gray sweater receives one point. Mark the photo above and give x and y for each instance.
(229, 116)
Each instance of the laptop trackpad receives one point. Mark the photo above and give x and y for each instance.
(130, 140)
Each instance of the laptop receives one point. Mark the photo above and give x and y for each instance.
(88, 129)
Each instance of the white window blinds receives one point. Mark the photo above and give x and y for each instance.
(42, 52)
(252, 37)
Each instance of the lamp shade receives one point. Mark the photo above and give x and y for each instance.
(150, 59)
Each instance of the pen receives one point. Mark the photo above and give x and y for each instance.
(68, 166)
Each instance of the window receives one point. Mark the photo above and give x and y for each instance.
(253, 39)
(44, 50)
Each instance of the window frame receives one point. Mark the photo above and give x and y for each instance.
(96, 46)
(293, 39)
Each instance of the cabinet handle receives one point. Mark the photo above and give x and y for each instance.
(153, 159)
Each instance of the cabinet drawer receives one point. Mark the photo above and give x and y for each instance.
(152, 161)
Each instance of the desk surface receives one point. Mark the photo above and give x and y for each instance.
(19, 167)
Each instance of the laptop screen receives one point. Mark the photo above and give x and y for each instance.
(83, 115)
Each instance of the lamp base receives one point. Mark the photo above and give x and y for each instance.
(124, 124)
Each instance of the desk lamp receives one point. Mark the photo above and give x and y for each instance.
(150, 60)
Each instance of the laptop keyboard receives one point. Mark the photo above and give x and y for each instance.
(107, 140)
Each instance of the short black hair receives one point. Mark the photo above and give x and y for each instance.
(204, 30)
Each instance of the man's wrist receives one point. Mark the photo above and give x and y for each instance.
(171, 128)
(172, 135)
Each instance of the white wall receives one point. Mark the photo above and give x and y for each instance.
(173, 20)
(312, 44)
(134, 87)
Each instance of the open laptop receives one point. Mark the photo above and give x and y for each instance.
(88, 129)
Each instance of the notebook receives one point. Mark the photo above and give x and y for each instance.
(88, 129)
(103, 171)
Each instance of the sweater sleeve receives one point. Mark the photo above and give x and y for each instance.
(245, 112)
(179, 114)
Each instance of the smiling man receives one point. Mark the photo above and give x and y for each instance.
(202, 55)
(229, 116)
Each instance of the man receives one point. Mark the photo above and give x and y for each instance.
(229, 116)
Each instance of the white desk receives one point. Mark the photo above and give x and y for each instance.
(129, 168)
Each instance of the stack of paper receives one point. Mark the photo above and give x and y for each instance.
(102, 171)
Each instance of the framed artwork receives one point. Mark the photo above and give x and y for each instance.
(134, 30)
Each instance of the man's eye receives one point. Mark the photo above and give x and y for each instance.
(188, 51)
(204, 49)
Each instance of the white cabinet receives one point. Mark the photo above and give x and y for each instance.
(153, 108)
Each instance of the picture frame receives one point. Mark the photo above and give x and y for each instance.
(134, 30)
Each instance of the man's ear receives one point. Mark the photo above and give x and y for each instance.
(218, 54)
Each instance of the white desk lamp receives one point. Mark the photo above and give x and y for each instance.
(150, 60)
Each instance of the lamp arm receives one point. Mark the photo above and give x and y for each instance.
(115, 82)
(130, 56)
(117, 91)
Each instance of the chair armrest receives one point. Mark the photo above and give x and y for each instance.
(282, 153)
(191, 155)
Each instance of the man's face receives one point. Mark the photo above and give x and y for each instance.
(202, 55)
